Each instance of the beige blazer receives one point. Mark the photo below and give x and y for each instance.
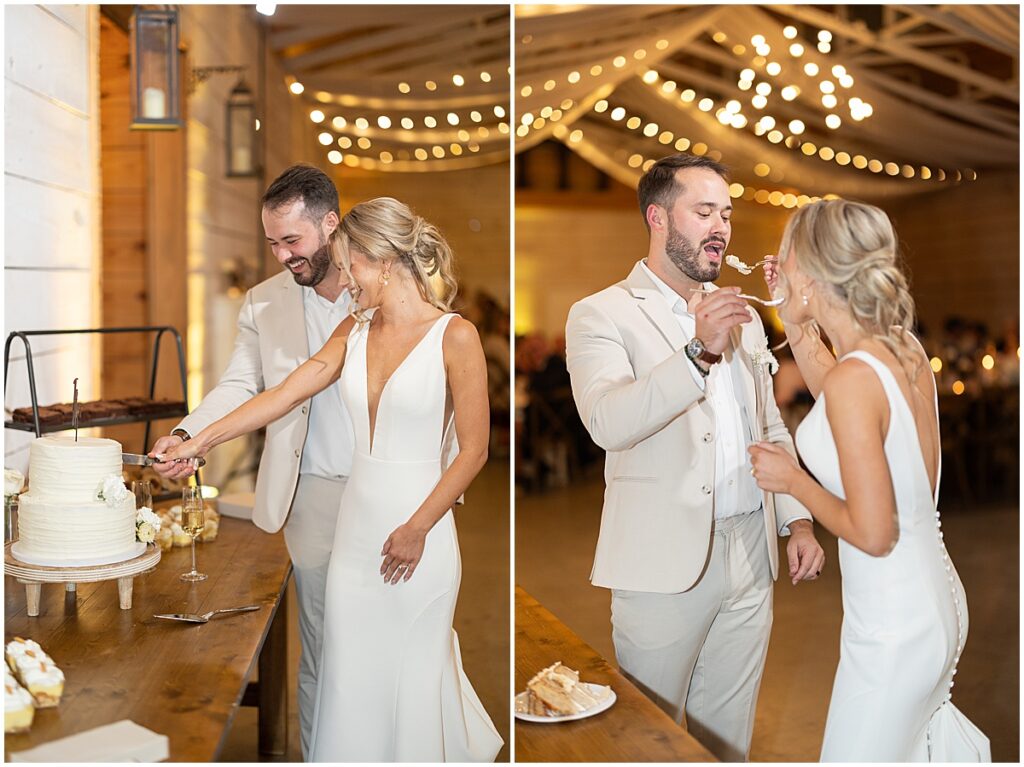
(271, 343)
(639, 401)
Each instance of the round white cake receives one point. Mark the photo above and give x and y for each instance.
(62, 519)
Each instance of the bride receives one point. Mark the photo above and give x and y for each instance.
(413, 376)
(871, 442)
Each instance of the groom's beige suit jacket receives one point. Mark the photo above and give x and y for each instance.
(639, 401)
(271, 343)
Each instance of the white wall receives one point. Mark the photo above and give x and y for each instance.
(51, 203)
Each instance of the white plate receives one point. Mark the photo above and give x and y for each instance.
(604, 705)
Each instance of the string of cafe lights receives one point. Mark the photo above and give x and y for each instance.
(575, 137)
(405, 88)
(766, 126)
(445, 136)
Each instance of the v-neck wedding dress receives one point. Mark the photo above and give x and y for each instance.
(391, 686)
(904, 614)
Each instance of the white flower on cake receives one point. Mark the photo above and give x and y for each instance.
(14, 480)
(147, 525)
(145, 533)
(763, 356)
(114, 491)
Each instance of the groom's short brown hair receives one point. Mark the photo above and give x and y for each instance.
(306, 183)
(658, 185)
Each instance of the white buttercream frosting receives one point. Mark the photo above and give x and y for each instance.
(16, 697)
(33, 666)
(60, 517)
(65, 470)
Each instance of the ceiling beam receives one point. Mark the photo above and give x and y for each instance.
(810, 15)
(951, 23)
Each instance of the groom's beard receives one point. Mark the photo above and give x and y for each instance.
(319, 263)
(686, 257)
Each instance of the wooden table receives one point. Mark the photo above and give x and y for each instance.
(181, 680)
(634, 729)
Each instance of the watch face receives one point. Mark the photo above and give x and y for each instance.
(694, 348)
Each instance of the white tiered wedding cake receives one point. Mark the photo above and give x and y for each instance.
(77, 510)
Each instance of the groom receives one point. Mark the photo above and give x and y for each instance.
(664, 381)
(308, 453)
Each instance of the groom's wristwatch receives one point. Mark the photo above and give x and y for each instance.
(184, 435)
(695, 350)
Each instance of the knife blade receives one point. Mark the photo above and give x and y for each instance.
(135, 459)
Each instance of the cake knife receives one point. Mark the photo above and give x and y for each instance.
(134, 459)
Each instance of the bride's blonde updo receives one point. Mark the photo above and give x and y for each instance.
(384, 229)
(852, 248)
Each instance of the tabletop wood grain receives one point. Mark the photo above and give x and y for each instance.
(634, 729)
(184, 681)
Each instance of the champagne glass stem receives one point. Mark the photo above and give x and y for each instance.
(194, 571)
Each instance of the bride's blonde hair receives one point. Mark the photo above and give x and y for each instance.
(384, 229)
(851, 247)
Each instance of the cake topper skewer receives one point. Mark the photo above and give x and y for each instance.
(74, 411)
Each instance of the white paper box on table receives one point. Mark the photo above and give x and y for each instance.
(237, 505)
(122, 741)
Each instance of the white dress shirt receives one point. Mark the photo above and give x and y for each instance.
(330, 438)
(736, 492)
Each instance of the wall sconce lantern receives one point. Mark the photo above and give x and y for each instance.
(241, 126)
(155, 69)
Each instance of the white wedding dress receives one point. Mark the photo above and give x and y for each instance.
(391, 685)
(904, 614)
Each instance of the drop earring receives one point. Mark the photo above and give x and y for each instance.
(385, 275)
(804, 299)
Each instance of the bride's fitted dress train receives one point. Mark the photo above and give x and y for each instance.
(904, 614)
(392, 687)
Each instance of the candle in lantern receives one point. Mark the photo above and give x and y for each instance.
(241, 159)
(154, 104)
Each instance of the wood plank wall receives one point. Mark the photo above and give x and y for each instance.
(51, 249)
(143, 239)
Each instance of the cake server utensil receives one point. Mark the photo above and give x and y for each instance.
(205, 617)
(134, 459)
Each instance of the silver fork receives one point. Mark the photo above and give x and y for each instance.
(205, 617)
(745, 269)
(771, 302)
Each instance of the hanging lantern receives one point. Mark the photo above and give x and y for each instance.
(155, 70)
(240, 128)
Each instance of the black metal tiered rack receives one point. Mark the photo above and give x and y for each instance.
(39, 428)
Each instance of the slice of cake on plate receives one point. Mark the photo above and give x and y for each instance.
(557, 691)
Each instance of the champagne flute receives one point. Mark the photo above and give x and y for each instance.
(143, 494)
(192, 520)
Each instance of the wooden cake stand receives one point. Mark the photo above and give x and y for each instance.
(34, 576)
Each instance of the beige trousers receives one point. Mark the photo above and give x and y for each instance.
(702, 651)
(309, 535)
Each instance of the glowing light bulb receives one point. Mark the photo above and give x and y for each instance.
(789, 33)
(773, 68)
(796, 127)
(325, 138)
(316, 116)
(796, 50)
(384, 122)
(459, 80)
(790, 92)
(833, 121)
(296, 88)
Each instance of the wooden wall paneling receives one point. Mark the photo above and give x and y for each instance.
(45, 141)
(46, 227)
(62, 78)
(124, 234)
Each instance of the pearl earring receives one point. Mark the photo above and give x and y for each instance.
(804, 298)
(385, 276)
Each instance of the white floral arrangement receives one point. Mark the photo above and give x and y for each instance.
(147, 525)
(113, 491)
(14, 481)
(763, 357)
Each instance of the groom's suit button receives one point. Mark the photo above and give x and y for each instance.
(707, 437)
(304, 409)
(705, 489)
(296, 453)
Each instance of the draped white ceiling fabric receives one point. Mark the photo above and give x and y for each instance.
(400, 87)
(798, 102)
